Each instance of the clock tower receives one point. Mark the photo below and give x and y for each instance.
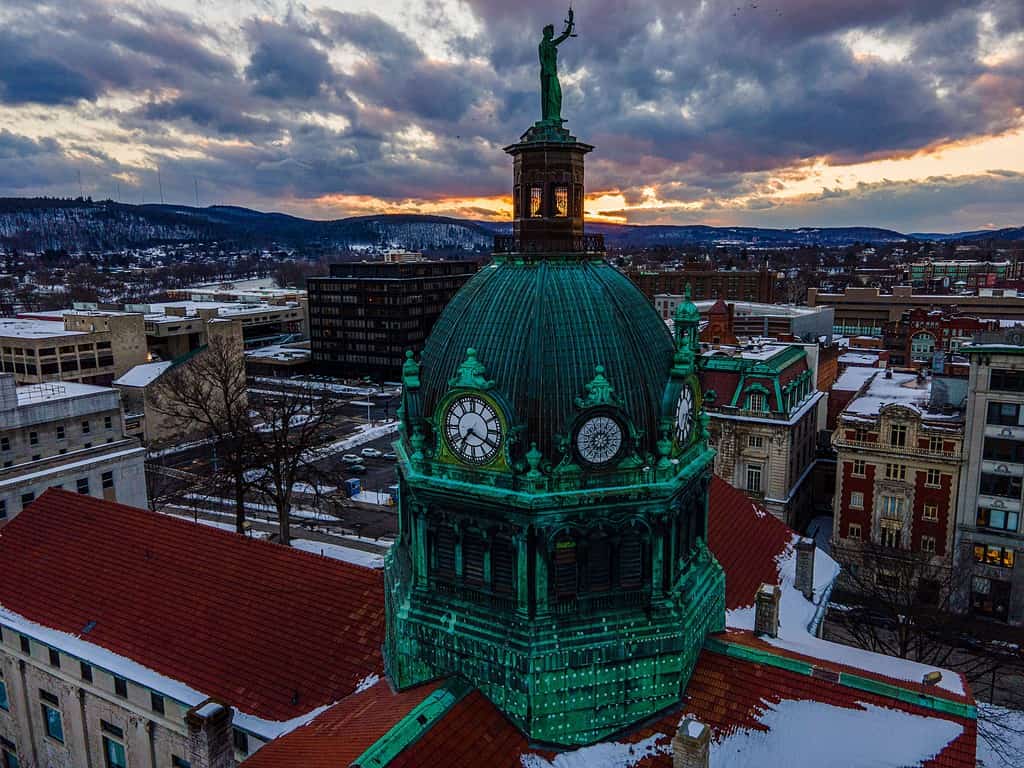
(553, 473)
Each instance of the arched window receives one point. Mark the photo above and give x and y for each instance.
(473, 558)
(631, 562)
(444, 552)
(503, 558)
(756, 401)
(566, 580)
(599, 566)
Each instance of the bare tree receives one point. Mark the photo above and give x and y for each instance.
(208, 396)
(286, 442)
(907, 604)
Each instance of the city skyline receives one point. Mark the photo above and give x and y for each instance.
(905, 115)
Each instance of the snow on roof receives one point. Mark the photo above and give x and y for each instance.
(858, 358)
(57, 390)
(143, 375)
(903, 389)
(23, 328)
(157, 313)
(279, 353)
(853, 378)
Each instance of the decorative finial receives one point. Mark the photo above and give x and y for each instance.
(471, 373)
(533, 457)
(599, 391)
(410, 371)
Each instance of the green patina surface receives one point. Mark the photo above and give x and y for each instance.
(417, 722)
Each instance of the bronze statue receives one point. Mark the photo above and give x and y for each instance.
(550, 90)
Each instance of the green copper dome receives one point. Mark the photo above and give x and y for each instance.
(540, 329)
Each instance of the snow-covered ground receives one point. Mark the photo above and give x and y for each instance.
(373, 497)
(1003, 727)
(365, 434)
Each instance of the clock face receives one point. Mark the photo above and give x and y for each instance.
(472, 429)
(599, 439)
(684, 415)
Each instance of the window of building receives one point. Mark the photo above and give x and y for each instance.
(754, 477)
(631, 563)
(755, 441)
(898, 435)
(1003, 414)
(5, 443)
(1000, 485)
(60, 432)
(444, 553)
(891, 536)
(860, 435)
(473, 558)
(107, 479)
(931, 511)
(86, 427)
(895, 472)
(933, 478)
(108, 422)
(887, 580)
(33, 438)
(561, 201)
(82, 484)
(857, 500)
(26, 645)
(10, 757)
(3, 509)
(928, 544)
(113, 753)
(1004, 380)
(241, 742)
(999, 519)
(86, 671)
(599, 571)
(935, 444)
(5, 703)
(55, 658)
(756, 401)
(859, 467)
(536, 202)
(51, 717)
(853, 531)
(565, 568)
(27, 498)
(179, 762)
(503, 558)
(156, 702)
(892, 507)
(121, 687)
(1000, 556)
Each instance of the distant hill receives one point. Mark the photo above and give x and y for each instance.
(77, 225)
(1007, 234)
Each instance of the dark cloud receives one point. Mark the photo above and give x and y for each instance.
(285, 64)
(701, 101)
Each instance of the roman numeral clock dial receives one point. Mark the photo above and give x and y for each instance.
(472, 430)
(684, 415)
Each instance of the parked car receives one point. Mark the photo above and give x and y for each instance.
(351, 458)
(357, 469)
(391, 456)
(371, 453)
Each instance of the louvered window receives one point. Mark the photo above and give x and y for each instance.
(600, 565)
(565, 568)
(445, 552)
(473, 559)
(631, 563)
(503, 566)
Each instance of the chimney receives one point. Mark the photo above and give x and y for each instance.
(766, 610)
(805, 567)
(211, 742)
(8, 392)
(691, 746)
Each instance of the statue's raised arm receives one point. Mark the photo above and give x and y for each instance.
(550, 90)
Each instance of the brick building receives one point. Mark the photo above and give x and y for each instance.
(764, 417)
(899, 446)
(732, 285)
(925, 337)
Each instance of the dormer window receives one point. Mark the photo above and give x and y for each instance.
(756, 401)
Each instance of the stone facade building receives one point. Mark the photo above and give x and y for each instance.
(764, 416)
(989, 527)
(900, 456)
(65, 435)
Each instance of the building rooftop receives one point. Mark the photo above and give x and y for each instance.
(30, 328)
(741, 308)
(143, 375)
(853, 378)
(907, 390)
(57, 390)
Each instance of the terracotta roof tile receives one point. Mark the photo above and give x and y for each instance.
(246, 621)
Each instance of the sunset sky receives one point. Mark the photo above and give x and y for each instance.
(907, 114)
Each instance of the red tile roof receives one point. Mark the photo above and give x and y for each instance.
(341, 734)
(725, 693)
(746, 540)
(246, 621)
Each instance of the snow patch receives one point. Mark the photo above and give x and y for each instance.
(607, 755)
(340, 552)
(367, 682)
